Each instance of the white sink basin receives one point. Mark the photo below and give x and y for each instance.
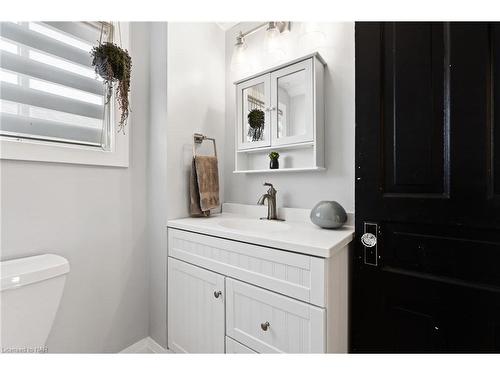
(254, 225)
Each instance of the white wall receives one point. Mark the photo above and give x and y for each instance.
(190, 58)
(96, 218)
(195, 104)
(157, 186)
(302, 189)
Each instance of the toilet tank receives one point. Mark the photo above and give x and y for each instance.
(30, 292)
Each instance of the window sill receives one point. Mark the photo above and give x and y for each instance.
(29, 150)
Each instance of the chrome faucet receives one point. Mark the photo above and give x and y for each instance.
(271, 202)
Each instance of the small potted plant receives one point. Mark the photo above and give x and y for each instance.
(273, 160)
(114, 65)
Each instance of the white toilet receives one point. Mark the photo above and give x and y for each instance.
(30, 292)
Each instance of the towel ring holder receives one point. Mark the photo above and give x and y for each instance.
(198, 139)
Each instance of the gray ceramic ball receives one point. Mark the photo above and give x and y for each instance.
(328, 215)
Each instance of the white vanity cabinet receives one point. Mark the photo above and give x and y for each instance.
(195, 309)
(290, 98)
(237, 297)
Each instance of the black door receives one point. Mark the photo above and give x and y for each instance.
(427, 188)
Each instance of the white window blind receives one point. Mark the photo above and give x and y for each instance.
(48, 88)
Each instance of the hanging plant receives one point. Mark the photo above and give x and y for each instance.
(256, 120)
(114, 65)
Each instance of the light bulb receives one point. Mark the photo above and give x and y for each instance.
(272, 37)
(272, 43)
(239, 59)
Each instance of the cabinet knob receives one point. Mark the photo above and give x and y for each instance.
(217, 294)
(265, 326)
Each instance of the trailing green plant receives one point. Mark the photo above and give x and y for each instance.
(274, 155)
(114, 65)
(256, 120)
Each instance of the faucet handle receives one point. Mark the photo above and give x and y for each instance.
(271, 189)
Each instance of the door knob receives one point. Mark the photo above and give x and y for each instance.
(265, 326)
(369, 241)
(217, 294)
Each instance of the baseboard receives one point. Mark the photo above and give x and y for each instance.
(146, 345)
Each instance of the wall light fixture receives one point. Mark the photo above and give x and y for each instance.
(273, 30)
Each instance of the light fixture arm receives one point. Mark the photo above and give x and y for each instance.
(281, 26)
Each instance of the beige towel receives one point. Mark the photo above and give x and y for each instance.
(204, 185)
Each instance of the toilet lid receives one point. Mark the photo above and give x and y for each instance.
(15, 273)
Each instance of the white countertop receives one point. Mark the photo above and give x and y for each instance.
(297, 234)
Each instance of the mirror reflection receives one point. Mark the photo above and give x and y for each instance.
(254, 113)
(291, 105)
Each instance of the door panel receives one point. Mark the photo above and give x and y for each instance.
(425, 174)
(415, 107)
(493, 107)
(195, 313)
(430, 314)
(443, 251)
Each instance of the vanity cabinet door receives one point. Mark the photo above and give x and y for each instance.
(195, 309)
(292, 104)
(268, 322)
(234, 347)
(253, 96)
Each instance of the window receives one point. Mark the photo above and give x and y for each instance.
(49, 93)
